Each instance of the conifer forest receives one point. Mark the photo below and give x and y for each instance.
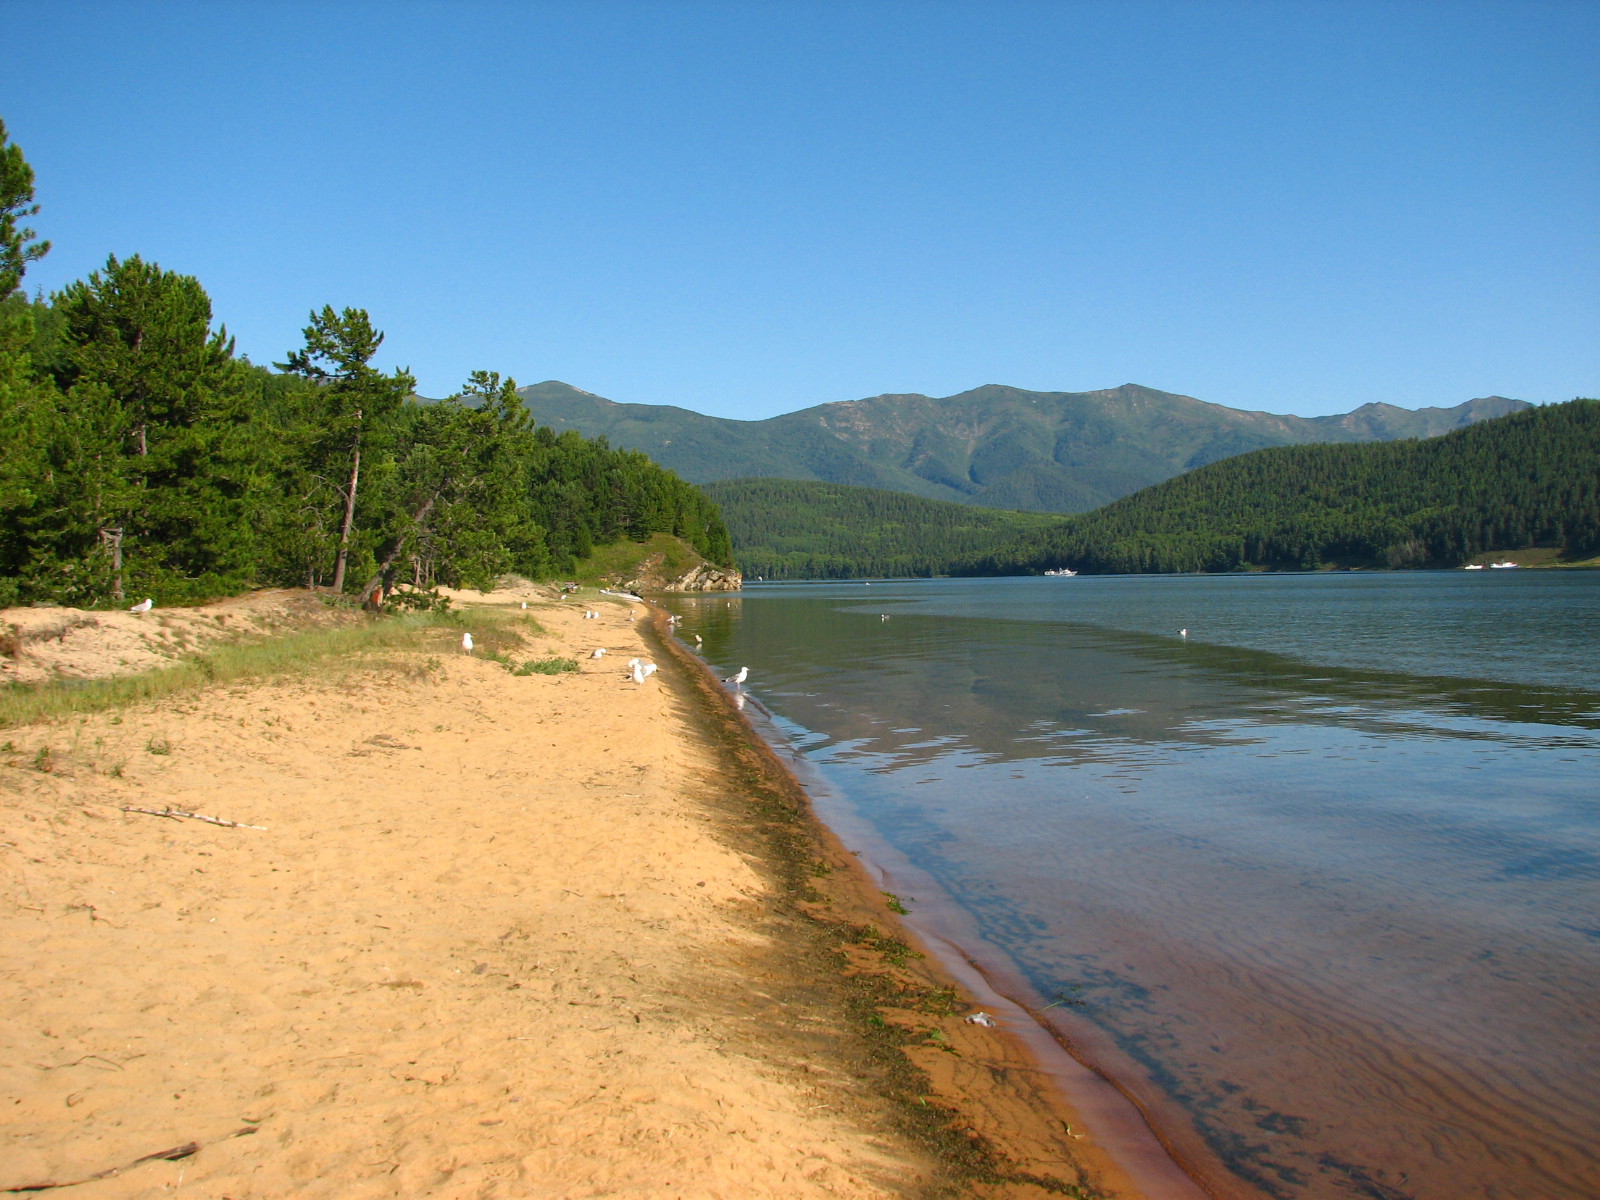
(143, 456)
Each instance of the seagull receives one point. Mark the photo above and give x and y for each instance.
(638, 672)
(524, 604)
(738, 679)
(1183, 633)
(698, 641)
(143, 606)
(649, 669)
(466, 643)
(598, 653)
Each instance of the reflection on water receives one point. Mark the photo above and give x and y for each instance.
(1326, 872)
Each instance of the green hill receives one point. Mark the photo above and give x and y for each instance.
(1000, 447)
(802, 529)
(1531, 479)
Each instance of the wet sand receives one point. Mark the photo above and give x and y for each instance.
(495, 935)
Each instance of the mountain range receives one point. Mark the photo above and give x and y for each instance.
(996, 446)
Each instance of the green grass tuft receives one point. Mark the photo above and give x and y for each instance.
(293, 653)
(546, 666)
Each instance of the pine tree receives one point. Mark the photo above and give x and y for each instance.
(24, 416)
(357, 403)
(149, 451)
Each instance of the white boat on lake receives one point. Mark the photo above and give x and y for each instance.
(1061, 573)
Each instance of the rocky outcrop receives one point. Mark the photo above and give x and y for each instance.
(706, 578)
(649, 576)
(666, 564)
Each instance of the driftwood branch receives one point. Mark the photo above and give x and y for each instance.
(172, 1154)
(176, 813)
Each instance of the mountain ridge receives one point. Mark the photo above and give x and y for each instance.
(996, 445)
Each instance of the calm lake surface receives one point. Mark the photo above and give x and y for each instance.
(1319, 883)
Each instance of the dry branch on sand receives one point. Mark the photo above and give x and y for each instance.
(171, 1154)
(176, 813)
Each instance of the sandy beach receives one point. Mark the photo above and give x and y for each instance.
(474, 933)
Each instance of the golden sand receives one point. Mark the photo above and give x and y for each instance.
(475, 934)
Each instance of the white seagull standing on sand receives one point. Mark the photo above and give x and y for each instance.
(466, 643)
(143, 606)
(598, 653)
(738, 678)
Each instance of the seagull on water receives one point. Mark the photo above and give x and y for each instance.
(738, 678)
(143, 606)
(466, 643)
(1183, 633)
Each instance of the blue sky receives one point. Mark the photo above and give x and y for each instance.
(749, 208)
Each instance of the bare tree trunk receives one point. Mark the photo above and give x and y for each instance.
(349, 519)
(111, 539)
(418, 518)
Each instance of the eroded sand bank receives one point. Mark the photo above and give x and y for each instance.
(498, 935)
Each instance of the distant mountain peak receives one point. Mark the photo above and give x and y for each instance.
(993, 445)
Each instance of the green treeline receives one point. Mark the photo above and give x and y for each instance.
(143, 456)
(1524, 480)
(803, 529)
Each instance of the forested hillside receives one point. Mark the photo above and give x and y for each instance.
(1000, 447)
(1525, 480)
(1529, 479)
(796, 529)
(143, 456)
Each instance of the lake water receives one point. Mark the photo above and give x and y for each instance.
(1319, 883)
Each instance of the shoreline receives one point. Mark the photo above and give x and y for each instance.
(474, 934)
(868, 1080)
(1037, 1102)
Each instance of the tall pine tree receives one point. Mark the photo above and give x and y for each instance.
(356, 404)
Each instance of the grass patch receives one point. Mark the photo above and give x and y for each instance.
(291, 653)
(622, 560)
(495, 632)
(547, 666)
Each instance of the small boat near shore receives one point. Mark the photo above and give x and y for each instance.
(1061, 573)
(1473, 567)
(1504, 566)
